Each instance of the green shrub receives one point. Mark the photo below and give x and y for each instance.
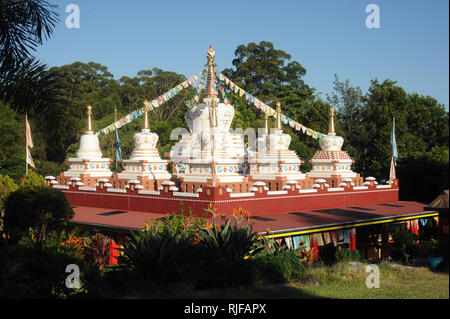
(39, 208)
(34, 272)
(271, 246)
(159, 255)
(223, 273)
(347, 254)
(427, 247)
(179, 223)
(229, 241)
(404, 243)
(281, 267)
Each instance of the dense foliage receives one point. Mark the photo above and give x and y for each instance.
(347, 254)
(40, 208)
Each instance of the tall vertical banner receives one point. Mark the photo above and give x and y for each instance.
(118, 149)
(29, 158)
(29, 144)
(28, 133)
(394, 157)
(394, 142)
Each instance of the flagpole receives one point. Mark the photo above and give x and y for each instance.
(26, 146)
(115, 120)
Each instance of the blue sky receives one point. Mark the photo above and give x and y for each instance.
(325, 36)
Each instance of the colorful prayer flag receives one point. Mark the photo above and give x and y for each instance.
(392, 175)
(393, 141)
(28, 133)
(29, 158)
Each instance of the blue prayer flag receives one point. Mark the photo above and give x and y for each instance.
(393, 141)
(118, 150)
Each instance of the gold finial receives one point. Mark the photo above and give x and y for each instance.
(146, 126)
(266, 124)
(89, 128)
(279, 115)
(331, 130)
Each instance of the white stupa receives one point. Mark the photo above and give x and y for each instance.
(88, 165)
(145, 163)
(331, 163)
(274, 162)
(209, 153)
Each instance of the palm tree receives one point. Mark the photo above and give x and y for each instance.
(24, 24)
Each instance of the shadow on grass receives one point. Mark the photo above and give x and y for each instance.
(268, 292)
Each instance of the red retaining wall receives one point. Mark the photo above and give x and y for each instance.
(262, 203)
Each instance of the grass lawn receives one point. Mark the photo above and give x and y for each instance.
(342, 281)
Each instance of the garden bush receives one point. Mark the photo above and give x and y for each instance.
(222, 273)
(228, 241)
(40, 208)
(347, 254)
(404, 243)
(281, 267)
(159, 255)
(427, 247)
(34, 272)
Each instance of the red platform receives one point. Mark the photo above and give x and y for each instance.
(261, 202)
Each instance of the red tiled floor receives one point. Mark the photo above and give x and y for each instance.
(306, 218)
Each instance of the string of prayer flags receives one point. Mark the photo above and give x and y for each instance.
(154, 103)
(267, 109)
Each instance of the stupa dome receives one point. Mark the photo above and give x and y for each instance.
(331, 143)
(144, 141)
(89, 147)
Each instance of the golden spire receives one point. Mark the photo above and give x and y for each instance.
(89, 128)
(146, 126)
(331, 130)
(266, 124)
(210, 80)
(279, 116)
